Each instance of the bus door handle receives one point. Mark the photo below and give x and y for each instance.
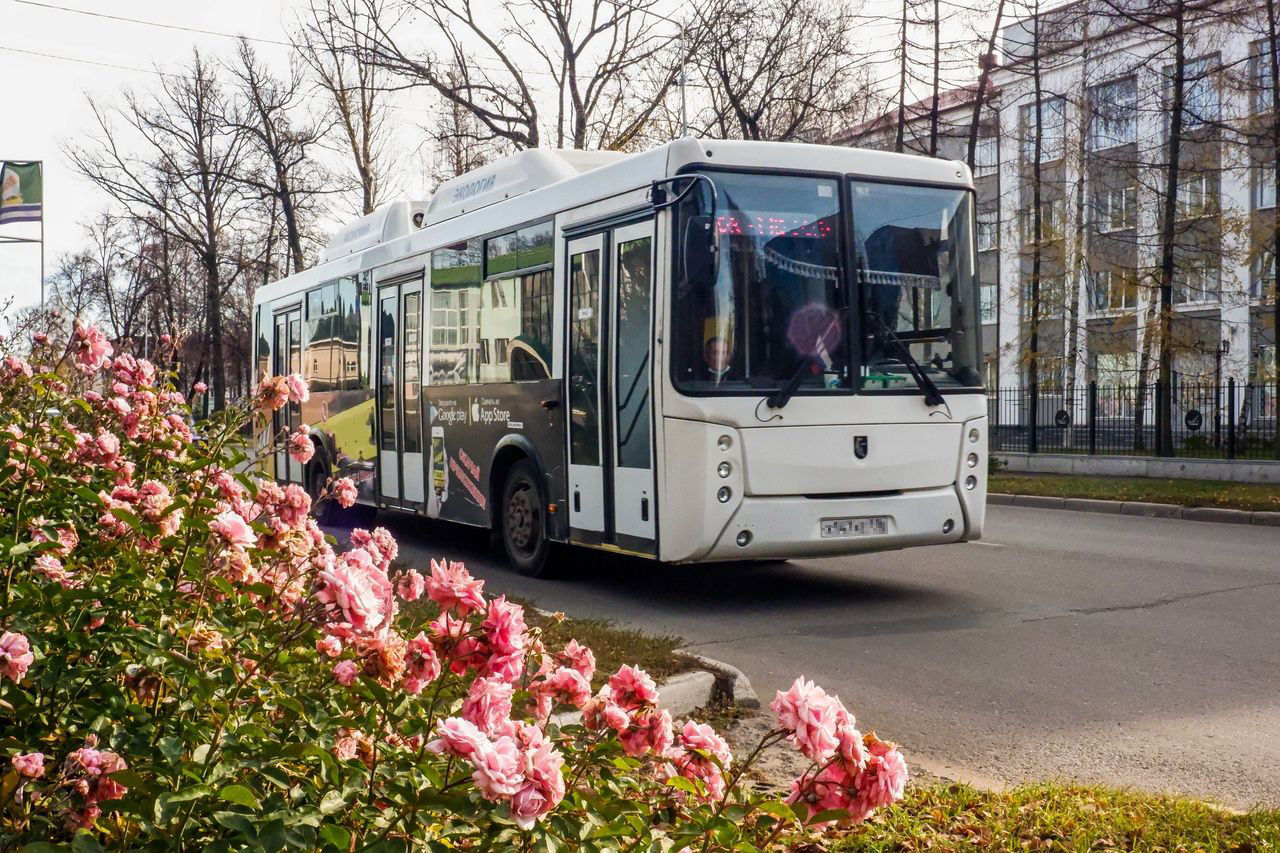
(550, 404)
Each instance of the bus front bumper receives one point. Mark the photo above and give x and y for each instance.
(789, 527)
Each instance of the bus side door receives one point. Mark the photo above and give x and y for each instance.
(612, 498)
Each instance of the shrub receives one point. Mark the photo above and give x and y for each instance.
(187, 662)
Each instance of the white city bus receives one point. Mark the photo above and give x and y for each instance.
(708, 351)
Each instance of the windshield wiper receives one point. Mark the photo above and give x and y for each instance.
(886, 335)
(783, 395)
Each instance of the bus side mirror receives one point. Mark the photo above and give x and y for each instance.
(700, 251)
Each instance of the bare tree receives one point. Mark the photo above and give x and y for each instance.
(282, 135)
(179, 170)
(782, 70)
(336, 40)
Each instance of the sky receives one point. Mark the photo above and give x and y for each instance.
(53, 61)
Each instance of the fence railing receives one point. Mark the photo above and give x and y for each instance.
(1231, 421)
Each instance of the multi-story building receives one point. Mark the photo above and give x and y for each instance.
(1101, 127)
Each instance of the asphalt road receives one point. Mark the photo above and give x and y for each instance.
(1132, 651)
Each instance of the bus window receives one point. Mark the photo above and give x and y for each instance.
(387, 370)
(632, 391)
(412, 368)
(584, 357)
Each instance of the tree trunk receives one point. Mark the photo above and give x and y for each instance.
(1168, 239)
(1273, 48)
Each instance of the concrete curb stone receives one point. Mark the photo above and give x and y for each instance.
(1093, 505)
(1219, 515)
(1151, 510)
(732, 684)
(1041, 501)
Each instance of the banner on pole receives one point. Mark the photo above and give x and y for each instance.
(21, 192)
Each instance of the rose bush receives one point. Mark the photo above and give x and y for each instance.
(187, 661)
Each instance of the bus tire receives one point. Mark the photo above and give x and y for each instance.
(522, 517)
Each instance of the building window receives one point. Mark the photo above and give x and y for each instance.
(988, 299)
(1264, 186)
(1050, 222)
(1113, 289)
(1197, 195)
(1262, 276)
(988, 230)
(1053, 125)
(1260, 74)
(1200, 105)
(500, 348)
(986, 156)
(1195, 279)
(1113, 114)
(1052, 297)
(1115, 209)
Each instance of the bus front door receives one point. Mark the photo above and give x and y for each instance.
(286, 350)
(610, 298)
(399, 407)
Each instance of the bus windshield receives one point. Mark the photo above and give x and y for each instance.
(914, 258)
(773, 306)
(774, 309)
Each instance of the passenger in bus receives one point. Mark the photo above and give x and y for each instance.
(718, 356)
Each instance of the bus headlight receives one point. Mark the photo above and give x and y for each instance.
(744, 538)
(724, 469)
(724, 494)
(724, 442)
(972, 460)
(971, 482)
(974, 435)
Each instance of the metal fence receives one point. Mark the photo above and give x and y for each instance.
(1230, 421)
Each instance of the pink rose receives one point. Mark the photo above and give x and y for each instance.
(488, 703)
(411, 585)
(296, 387)
(91, 348)
(422, 665)
(301, 448)
(579, 657)
(812, 717)
(15, 655)
(200, 387)
(453, 588)
(504, 626)
(234, 529)
(345, 672)
(457, 736)
(30, 764)
(345, 492)
(329, 646)
(633, 688)
(354, 585)
(498, 768)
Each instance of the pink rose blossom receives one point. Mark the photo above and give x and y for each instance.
(422, 665)
(296, 386)
(453, 588)
(498, 768)
(30, 765)
(884, 779)
(356, 587)
(488, 704)
(200, 387)
(301, 448)
(234, 529)
(329, 646)
(649, 732)
(633, 688)
(91, 348)
(345, 672)
(457, 736)
(411, 585)
(504, 626)
(812, 717)
(345, 492)
(579, 657)
(15, 655)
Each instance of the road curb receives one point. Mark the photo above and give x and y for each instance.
(732, 685)
(1144, 509)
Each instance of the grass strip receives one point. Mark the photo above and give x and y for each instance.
(614, 645)
(1059, 818)
(1214, 493)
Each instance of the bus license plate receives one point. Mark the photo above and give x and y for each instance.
(871, 525)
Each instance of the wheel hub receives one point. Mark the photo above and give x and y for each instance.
(521, 520)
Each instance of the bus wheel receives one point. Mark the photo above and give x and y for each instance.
(524, 534)
(315, 478)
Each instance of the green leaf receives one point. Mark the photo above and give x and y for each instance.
(236, 822)
(337, 836)
(331, 802)
(19, 549)
(85, 843)
(240, 795)
(828, 815)
(777, 809)
(186, 795)
(41, 847)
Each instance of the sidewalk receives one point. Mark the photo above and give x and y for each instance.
(1140, 508)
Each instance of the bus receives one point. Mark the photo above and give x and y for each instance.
(709, 351)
